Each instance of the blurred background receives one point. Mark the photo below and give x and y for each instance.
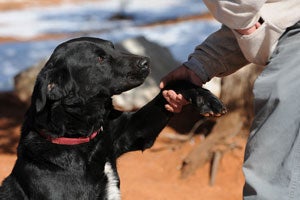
(31, 29)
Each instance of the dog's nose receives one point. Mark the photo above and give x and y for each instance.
(143, 63)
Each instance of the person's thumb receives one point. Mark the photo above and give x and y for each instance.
(165, 80)
(162, 84)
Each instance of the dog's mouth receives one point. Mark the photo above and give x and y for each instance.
(135, 79)
(139, 71)
(140, 75)
(132, 80)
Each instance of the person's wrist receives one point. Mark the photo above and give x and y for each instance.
(250, 30)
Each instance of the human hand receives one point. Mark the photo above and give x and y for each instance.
(250, 30)
(180, 73)
(177, 101)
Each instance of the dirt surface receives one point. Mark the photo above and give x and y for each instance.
(153, 174)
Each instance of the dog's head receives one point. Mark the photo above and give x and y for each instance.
(87, 67)
(83, 70)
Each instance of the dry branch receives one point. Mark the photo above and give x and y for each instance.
(214, 167)
(204, 152)
(236, 94)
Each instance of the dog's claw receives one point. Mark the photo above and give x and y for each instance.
(212, 114)
(205, 114)
(209, 105)
(217, 115)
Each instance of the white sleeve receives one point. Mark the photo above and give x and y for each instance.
(235, 14)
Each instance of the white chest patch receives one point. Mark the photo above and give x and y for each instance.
(112, 189)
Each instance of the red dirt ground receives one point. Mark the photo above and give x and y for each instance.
(151, 175)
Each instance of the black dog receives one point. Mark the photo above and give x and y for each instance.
(72, 136)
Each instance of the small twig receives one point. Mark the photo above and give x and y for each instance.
(184, 138)
(196, 125)
(214, 168)
(167, 147)
(176, 137)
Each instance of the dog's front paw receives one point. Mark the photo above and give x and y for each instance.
(206, 103)
(203, 100)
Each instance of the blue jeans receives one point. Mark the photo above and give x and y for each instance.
(272, 157)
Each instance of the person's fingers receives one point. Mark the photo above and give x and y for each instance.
(172, 109)
(172, 97)
(181, 99)
(175, 101)
(171, 94)
(166, 95)
(169, 108)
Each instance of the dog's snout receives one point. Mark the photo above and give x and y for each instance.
(143, 63)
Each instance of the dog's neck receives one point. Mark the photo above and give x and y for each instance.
(70, 141)
(56, 121)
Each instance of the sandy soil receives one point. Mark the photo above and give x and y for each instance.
(153, 174)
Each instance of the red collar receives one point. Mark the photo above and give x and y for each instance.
(71, 141)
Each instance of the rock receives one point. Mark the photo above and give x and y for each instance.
(25, 80)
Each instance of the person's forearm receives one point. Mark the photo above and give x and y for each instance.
(218, 55)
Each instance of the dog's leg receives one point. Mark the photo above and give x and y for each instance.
(138, 131)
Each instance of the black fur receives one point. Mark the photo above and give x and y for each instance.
(72, 98)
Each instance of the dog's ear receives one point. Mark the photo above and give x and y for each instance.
(39, 94)
(58, 83)
(53, 83)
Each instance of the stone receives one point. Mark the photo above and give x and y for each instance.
(25, 80)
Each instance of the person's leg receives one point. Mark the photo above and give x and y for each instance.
(272, 157)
